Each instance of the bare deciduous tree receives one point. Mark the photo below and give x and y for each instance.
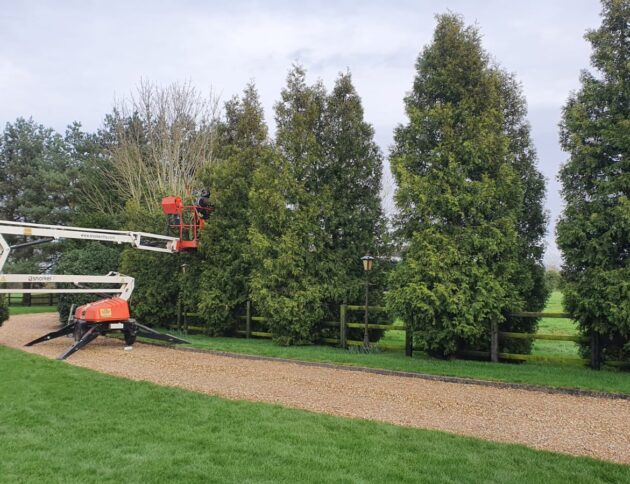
(157, 141)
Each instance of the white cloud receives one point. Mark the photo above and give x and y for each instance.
(67, 60)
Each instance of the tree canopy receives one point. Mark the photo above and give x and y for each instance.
(594, 230)
(463, 165)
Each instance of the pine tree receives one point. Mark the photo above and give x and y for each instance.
(466, 186)
(594, 231)
(316, 209)
(243, 146)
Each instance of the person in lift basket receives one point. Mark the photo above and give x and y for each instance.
(204, 209)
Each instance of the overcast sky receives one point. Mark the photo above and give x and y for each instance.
(63, 61)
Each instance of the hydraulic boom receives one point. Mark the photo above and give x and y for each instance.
(97, 318)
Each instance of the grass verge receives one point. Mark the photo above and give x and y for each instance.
(61, 423)
(544, 374)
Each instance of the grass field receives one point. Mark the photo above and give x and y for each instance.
(60, 423)
(546, 374)
(566, 349)
(31, 309)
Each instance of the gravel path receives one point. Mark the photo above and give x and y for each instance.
(589, 426)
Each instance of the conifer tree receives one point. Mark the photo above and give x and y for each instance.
(243, 146)
(351, 175)
(287, 237)
(532, 218)
(38, 184)
(594, 230)
(465, 174)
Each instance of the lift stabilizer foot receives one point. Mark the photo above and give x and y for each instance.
(146, 332)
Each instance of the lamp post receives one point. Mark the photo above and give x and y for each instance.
(367, 260)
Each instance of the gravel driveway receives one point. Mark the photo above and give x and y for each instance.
(578, 425)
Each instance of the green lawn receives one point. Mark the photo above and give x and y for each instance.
(31, 309)
(60, 423)
(566, 349)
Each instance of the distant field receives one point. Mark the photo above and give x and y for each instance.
(556, 326)
(546, 326)
(31, 309)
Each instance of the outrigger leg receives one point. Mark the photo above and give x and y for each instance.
(85, 332)
(68, 329)
(89, 335)
(146, 332)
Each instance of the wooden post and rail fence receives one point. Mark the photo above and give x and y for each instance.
(32, 299)
(494, 354)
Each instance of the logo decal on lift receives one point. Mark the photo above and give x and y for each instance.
(105, 312)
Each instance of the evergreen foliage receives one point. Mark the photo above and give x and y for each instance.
(553, 280)
(594, 230)
(4, 309)
(315, 209)
(38, 173)
(156, 294)
(161, 284)
(352, 176)
(89, 258)
(243, 145)
(288, 283)
(470, 219)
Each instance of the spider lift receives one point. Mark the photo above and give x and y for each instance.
(108, 315)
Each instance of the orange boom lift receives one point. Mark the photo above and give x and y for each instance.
(110, 314)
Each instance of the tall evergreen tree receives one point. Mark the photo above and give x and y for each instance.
(532, 218)
(351, 175)
(37, 173)
(287, 237)
(38, 182)
(243, 145)
(465, 173)
(316, 208)
(594, 230)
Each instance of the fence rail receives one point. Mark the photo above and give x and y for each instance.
(493, 354)
(32, 299)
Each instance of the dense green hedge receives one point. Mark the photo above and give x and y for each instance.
(4, 309)
(92, 258)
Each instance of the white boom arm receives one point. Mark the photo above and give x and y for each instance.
(139, 240)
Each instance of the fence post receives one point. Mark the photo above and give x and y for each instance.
(248, 319)
(342, 326)
(408, 340)
(494, 342)
(179, 315)
(50, 299)
(595, 360)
